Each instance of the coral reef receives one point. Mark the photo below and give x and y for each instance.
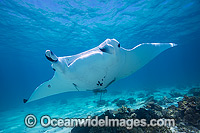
(131, 100)
(102, 103)
(150, 100)
(194, 91)
(186, 115)
(187, 112)
(141, 95)
(119, 102)
(165, 101)
(173, 94)
(124, 113)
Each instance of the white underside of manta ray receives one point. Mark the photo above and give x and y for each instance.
(96, 68)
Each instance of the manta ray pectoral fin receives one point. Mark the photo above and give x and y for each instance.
(142, 54)
(145, 52)
(54, 86)
(51, 56)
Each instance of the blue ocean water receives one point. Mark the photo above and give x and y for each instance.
(67, 27)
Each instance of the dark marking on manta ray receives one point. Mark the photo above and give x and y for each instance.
(119, 45)
(69, 63)
(111, 82)
(49, 86)
(106, 50)
(75, 86)
(99, 83)
(54, 69)
(50, 59)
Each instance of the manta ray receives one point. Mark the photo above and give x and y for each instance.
(96, 68)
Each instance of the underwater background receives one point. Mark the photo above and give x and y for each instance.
(30, 27)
